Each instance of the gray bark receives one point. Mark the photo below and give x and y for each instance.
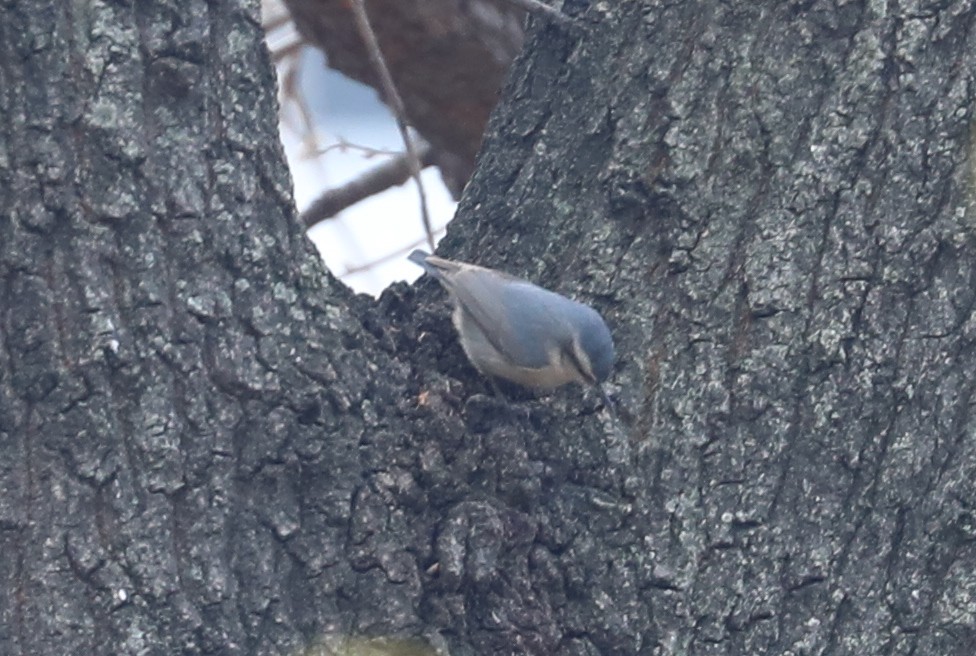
(208, 446)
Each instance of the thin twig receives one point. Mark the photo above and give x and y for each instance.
(395, 255)
(272, 23)
(389, 174)
(393, 98)
(291, 92)
(539, 7)
(342, 145)
(273, 15)
(281, 52)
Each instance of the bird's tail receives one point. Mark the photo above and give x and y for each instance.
(432, 264)
(419, 258)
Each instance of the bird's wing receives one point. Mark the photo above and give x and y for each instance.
(480, 293)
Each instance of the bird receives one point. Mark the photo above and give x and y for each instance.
(512, 329)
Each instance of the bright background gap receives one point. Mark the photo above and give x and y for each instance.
(365, 245)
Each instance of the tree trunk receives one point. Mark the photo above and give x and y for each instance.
(209, 446)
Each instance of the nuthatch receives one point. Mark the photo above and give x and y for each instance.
(523, 333)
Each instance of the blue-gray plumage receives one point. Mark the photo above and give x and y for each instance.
(518, 331)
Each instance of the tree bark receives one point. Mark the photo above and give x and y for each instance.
(209, 446)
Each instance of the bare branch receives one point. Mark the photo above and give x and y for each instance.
(396, 103)
(389, 174)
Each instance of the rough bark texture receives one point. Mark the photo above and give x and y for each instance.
(773, 202)
(209, 447)
(448, 59)
(179, 464)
